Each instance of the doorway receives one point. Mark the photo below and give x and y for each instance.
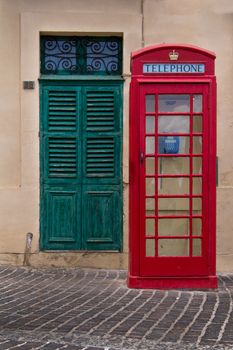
(174, 220)
(81, 172)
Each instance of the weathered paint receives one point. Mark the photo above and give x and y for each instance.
(81, 173)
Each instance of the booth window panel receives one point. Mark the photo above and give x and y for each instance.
(150, 145)
(183, 146)
(196, 226)
(173, 247)
(150, 206)
(197, 103)
(173, 145)
(176, 204)
(150, 186)
(197, 205)
(150, 103)
(197, 144)
(174, 124)
(173, 227)
(197, 165)
(150, 248)
(197, 123)
(174, 165)
(150, 166)
(197, 185)
(150, 124)
(173, 185)
(150, 227)
(197, 247)
(173, 103)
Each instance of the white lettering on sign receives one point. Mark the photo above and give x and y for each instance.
(173, 68)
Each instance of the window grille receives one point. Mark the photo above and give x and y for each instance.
(81, 55)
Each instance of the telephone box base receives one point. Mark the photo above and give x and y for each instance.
(172, 282)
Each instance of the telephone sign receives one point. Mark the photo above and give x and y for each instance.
(172, 168)
(173, 68)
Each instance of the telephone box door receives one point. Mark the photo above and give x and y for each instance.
(174, 227)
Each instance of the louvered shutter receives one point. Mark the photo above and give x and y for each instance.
(61, 129)
(81, 181)
(60, 156)
(102, 144)
(102, 192)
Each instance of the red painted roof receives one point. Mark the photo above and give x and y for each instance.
(172, 46)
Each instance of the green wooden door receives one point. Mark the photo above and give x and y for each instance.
(81, 172)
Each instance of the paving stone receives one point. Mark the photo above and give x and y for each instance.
(84, 309)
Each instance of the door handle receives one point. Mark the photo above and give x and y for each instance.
(141, 157)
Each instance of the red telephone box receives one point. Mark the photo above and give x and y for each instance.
(172, 168)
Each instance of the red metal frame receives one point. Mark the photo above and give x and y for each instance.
(172, 272)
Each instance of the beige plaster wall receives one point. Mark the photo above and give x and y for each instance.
(19, 155)
(205, 23)
(9, 101)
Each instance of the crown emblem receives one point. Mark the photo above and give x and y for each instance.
(174, 55)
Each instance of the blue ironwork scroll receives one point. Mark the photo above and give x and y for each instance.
(81, 55)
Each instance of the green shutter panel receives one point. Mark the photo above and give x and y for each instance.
(102, 217)
(100, 110)
(81, 180)
(100, 157)
(102, 133)
(102, 178)
(62, 110)
(60, 156)
(61, 213)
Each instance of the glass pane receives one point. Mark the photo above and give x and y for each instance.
(150, 166)
(81, 55)
(174, 103)
(197, 144)
(173, 144)
(173, 247)
(197, 243)
(150, 247)
(150, 186)
(197, 103)
(197, 227)
(150, 227)
(197, 185)
(102, 55)
(175, 185)
(150, 206)
(150, 145)
(197, 123)
(197, 165)
(59, 54)
(173, 165)
(173, 204)
(173, 227)
(173, 124)
(150, 125)
(197, 205)
(150, 103)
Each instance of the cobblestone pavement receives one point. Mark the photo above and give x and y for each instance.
(94, 310)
